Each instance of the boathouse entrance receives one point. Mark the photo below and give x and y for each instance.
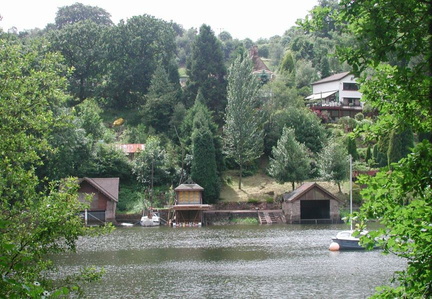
(314, 209)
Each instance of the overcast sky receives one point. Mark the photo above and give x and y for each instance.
(242, 19)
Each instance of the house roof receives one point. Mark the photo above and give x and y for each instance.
(303, 189)
(335, 77)
(321, 95)
(108, 186)
(189, 187)
(258, 64)
(130, 148)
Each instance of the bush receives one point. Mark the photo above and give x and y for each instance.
(253, 201)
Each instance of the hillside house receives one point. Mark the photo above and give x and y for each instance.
(335, 96)
(260, 69)
(310, 203)
(188, 208)
(104, 193)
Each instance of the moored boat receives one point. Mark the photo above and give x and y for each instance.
(151, 219)
(346, 240)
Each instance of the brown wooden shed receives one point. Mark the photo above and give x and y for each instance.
(310, 203)
(104, 192)
(188, 208)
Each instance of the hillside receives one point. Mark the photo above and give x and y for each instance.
(262, 187)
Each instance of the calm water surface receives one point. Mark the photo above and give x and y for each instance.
(286, 261)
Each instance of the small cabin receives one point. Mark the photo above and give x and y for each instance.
(188, 208)
(310, 203)
(104, 193)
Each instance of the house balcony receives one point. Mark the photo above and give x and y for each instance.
(333, 111)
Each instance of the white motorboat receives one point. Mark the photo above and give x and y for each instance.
(151, 219)
(347, 241)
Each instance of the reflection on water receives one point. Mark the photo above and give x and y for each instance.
(229, 262)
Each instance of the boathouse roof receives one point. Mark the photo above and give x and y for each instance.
(303, 189)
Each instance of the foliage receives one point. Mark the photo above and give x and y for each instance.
(404, 207)
(307, 127)
(290, 162)
(204, 169)
(352, 147)
(82, 45)
(400, 145)
(134, 50)
(35, 222)
(333, 163)
(243, 133)
(393, 39)
(207, 72)
(160, 100)
(68, 15)
(150, 167)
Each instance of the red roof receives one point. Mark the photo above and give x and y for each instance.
(130, 148)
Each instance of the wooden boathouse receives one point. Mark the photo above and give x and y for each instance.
(188, 208)
(104, 193)
(310, 203)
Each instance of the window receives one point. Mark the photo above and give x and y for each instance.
(350, 86)
(351, 101)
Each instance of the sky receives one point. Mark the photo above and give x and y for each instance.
(242, 19)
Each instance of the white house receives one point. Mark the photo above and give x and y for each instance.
(336, 96)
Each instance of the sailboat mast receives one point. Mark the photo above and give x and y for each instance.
(350, 192)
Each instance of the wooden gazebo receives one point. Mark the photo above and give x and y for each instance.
(188, 208)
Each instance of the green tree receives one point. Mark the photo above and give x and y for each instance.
(204, 169)
(207, 72)
(160, 101)
(307, 127)
(290, 162)
(400, 145)
(150, 166)
(78, 12)
(352, 147)
(82, 44)
(35, 222)
(187, 127)
(333, 163)
(135, 49)
(243, 132)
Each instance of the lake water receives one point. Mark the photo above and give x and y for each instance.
(254, 261)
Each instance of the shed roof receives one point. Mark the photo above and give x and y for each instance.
(108, 186)
(303, 189)
(335, 77)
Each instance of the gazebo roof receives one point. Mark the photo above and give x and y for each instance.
(189, 187)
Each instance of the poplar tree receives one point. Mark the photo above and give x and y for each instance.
(243, 131)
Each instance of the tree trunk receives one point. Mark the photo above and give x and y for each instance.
(293, 185)
(339, 186)
(240, 176)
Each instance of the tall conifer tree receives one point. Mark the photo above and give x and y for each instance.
(204, 169)
(207, 71)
